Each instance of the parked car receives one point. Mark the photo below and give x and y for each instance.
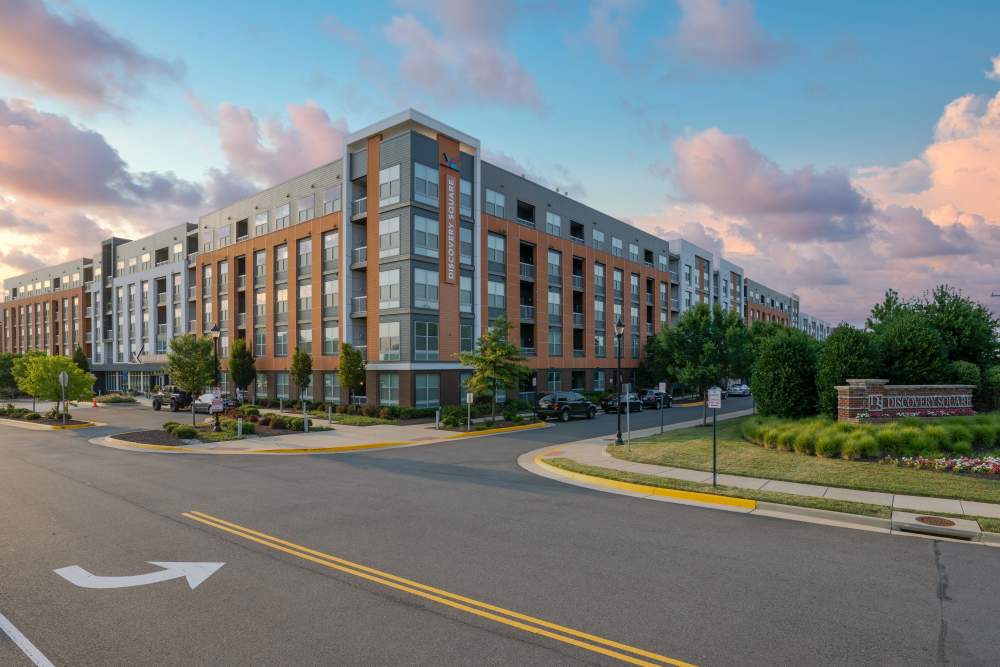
(630, 402)
(204, 402)
(563, 405)
(171, 397)
(739, 390)
(651, 398)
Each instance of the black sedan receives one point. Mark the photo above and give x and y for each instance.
(652, 398)
(629, 402)
(563, 405)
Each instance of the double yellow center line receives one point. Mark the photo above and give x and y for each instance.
(536, 626)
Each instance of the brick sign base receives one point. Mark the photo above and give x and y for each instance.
(877, 401)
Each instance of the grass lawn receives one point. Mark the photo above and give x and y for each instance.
(692, 448)
(881, 511)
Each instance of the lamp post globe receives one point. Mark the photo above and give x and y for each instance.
(619, 332)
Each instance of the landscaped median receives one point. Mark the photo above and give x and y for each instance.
(29, 419)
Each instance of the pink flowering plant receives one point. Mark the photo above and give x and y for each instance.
(985, 465)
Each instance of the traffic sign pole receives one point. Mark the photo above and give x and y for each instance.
(714, 402)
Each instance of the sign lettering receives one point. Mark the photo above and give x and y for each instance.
(879, 402)
(451, 226)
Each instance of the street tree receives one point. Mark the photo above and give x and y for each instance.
(910, 350)
(42, 376)
(242, 365)
(883, 312)
(847, 353)
(301, 372)
(784, 375)
(191, 364)
(496, 362)
(19, 368)
(352, 369)
(80, 359)
(8, 384)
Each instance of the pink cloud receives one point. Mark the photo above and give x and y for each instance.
(73, 57)
(270, 151)
(724, 35)
(729, 175)
(466, 58)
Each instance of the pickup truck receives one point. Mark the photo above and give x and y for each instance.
(171, 397)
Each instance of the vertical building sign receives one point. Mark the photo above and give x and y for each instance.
(451, 194)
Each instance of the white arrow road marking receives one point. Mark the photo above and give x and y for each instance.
(194, 572)
(24, 643)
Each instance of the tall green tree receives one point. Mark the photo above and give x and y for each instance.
(301, 372)
(19, 368)
(352, 369)
(42, 376)
(242, 365)
(708, 346)
(80, 359)
(847, 353)
(968, 329)
(496, 362)
(8, 384)
(910, 350)
(192, 365)
(784, 375)
(883, 312)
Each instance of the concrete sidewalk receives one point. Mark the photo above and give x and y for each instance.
(594, 453)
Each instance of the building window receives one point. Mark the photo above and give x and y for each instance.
(496, 293)
(599, 277)
(281, 385)
(619, 278)
(496, 248)
(466, 247)
(388, 237)
(331, 245)
(331, 338)
(616, 246)
(633, 252)
(305, 253)
(554, 381)
(425, 184)
(305, 339)
(260, 385)
(663, 263)
(463, 387)
(388, 341)
(555, 341)
(687, 274)
(635, 346)
(388, 186)
(634, 313)
(425, 236)
(598, 380)
(304, 304)
(388, 388)
(259, 265)
(281, 259)
(467, 341)
(553, 223)
(331, 200)
(555, 304)
(495, 203)
(425, 335)
(425, 288)
(465, 294)
(465, 201)
(280, 300)
(428, 390)
(597, 239)
(259, 342)
(388, 289)
(281, 342)
(330, 290)
(687, 298)
(331, 387)
(555, 264)
(281, 216)
(306, 207)
(633, 287)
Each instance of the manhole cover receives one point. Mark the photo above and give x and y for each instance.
(936, 521)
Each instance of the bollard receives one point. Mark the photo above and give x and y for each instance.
(437, 418)
(329, 413)
(281, 405)
(239, 428)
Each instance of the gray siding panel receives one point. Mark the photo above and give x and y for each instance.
(359, 164)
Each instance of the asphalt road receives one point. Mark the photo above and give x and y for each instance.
(696, 585)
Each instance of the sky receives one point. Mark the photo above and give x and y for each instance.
(835, 149)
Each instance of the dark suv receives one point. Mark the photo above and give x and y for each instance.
(171, 397)
(651, 398)
(564, 404)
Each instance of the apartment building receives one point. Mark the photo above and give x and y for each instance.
(46, 309)
(408, 247)
(765, 304)
(815, 327)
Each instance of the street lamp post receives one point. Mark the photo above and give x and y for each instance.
(215, 333)
(619, 332)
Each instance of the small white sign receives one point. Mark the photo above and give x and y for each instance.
(663, 387)
(469, 398)
(216, 406)
(715, 397)
(63, 378)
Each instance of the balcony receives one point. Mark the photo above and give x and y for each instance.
(649, 329)
(359, 207)
(649, 299)
(161, 329)
(528, 352)
(192, 293)
(161, 299)
(555, 278)
(88, 311)
(359, 255)
(241, 282)
(527, 313)
(527, 223)
(330, 258)
(555, 318)
(359, 305)
(88, 337)
(578, 283)
(363, 350)
(578, 320)
(578, 353)
(161, 346)
(577, 239)
(673, 278)
(192, 326)
(241, 320)
(675, 304)
(527, 271)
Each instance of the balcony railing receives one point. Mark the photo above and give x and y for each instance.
(88, 337)
(578, 320)
(675, 303)
(359, 304)
(577, 239)
(577, 282)
(649, 299)
(578, 353)
(363, 350)
(88, 311)
(674, 278)
(241, 282)
(360, 206)
(359, 255)
(161, 329)
(241, 320)
(529, 223)
(192, 326)
(555, 318)
(192, 293)
(527, 271)
(527, 312)
(528, 352)
(161, 299)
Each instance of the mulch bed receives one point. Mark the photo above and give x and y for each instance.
(150, 438)
(48, 422)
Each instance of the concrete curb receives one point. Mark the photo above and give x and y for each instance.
(531, 461)
(29, 426)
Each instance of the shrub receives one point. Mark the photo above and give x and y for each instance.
(910, 350)
(32, 416)
(296, 424)
(786, 439)
(964, 372)
(859, 445)
(279, 421)
(185, 432)
(55, 414)
(453, 415)
(805, 440)
(115, 398)
(846, 353)
(253, 418)
(250, 410)
(784, 375)
(416, 413)
(829, 443)
(170, 426)
(264, 420)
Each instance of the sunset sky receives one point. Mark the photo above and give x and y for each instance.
(833, 149)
